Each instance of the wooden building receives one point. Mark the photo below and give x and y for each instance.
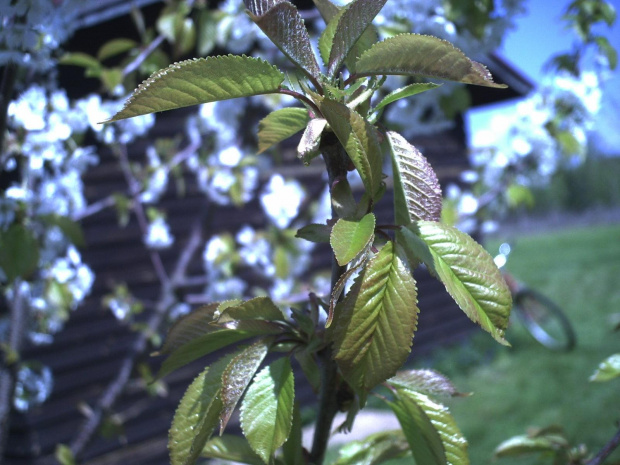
(87, 355)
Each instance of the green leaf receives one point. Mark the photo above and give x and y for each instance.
(350, 238)
(327, 8)
(280, 125)
(19, 252)
(373, 327)
(232, 448)
(343, 201)
(417, 193)
(80, 59)
(208, 343)
(292, 450)
(267, 409)
(404, 92)
(352, 23)
(190, 326)
(115, 47)
(608, 369)
(427, 382)
(608, 50)
(431, 431)
(64, 455)
(315, 233)
(421, 55)
(309, 145)
(525, 444)
(374, 449)
(111, 77)
(238, 375)
(282, 23)
(202, 80)
(197, 414)
(360, 141)
(517, 195)
(71, 229)
(257, 308)
(467, 270)
(310, 367)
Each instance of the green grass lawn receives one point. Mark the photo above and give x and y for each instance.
(527, 385)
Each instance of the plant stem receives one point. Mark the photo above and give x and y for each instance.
(606, 450)
(336, 162)
(6, 92)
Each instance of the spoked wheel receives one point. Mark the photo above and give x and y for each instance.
(544, 320)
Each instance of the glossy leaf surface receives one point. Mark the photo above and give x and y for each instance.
(374, 449)
(308, 147)
(282, 23)
(404, 92)
(608, 369)
(524, 444)
(417, 193)
(467, 270)
(279, 125)
(258, 308)
(431, 431)
(189, 327)
(267, 409)
(360, 141)
(233, 448)
(202, 80)
(237, 377)
(373, 327)
(427, 382)
(197, 414)
(422, 55)
(350, 238)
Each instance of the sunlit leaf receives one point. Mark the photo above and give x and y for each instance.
(267, 409)
(373, 327)
(315, 233)
(71, 229)
(115, 47)
(282, 23)
(467, 270)
(80, 59)
(352, 23)
(608, 369)
(279, 125)
(417, 194)
(257, 308)
(431, 431)
(202, 80)
(360, 141)
(404, 92)
(19, 252)
(232, 448)
(237, 377)
(374, 449)
(518, 195)
(190, 326)
(421, 55)
(197, 415)
(525, 444)
(309, 145)
(349, 238)
(427, 382)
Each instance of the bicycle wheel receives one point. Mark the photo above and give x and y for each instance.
(544, 320)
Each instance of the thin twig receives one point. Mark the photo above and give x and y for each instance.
(165, 303)
(143, 55)
(606, 450)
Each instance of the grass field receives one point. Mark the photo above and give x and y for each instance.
(527, 385)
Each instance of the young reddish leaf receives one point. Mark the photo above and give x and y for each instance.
(427, 382)
(282, 23)
(431, 431)
(417, 193)
(267, 409)
(373, 327)
(350, 238)
(360, 141)
(352, 23)
(238, 375)
(202, 80)
(310, 142)
(258, 308)
(421, 55)
(231, 448)
(280, 125)
(467, 270)
(374, 449)
(197, 414)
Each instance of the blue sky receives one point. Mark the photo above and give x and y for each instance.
(538, 35)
